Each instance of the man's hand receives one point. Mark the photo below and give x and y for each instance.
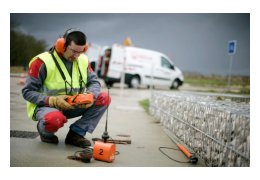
(59, 102)
(87, 105)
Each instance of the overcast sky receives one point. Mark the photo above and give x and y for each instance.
(196, 42)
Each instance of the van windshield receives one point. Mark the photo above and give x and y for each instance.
(166, 63)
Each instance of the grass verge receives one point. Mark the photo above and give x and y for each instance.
(145, 104)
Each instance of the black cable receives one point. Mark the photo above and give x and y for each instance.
(117, 152)
(169, 156)
(85, 150)
(108, 87)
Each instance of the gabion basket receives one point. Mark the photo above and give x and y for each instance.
(218, 131)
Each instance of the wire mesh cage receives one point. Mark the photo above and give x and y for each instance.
(216, 130)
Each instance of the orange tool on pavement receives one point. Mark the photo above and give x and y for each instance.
(104, 151)
(193, 159)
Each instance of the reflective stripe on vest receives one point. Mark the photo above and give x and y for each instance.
(54, 83)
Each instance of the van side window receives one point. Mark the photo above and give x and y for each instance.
(165, 63)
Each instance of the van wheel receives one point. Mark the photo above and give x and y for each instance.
(175, 84)
(135, 82)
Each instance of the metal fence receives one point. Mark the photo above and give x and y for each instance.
(221, 96)
(217, 131)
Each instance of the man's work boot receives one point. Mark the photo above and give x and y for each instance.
(54, 139)
(76, 140)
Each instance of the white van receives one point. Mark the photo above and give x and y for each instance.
(93, 54)
(140, 67)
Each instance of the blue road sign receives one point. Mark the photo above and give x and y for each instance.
(232, 47)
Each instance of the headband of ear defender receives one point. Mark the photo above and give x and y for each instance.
(61, 42)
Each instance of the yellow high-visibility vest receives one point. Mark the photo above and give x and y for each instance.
(54, 84)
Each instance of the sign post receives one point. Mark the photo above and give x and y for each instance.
(231, 52)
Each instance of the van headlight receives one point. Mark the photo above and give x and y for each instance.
(180, 76)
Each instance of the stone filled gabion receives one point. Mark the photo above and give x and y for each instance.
(217, 131)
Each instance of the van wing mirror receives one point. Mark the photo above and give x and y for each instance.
(172, 67)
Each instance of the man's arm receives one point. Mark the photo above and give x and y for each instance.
(34, 81)
(93, 83)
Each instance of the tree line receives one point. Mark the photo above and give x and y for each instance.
(23, 47)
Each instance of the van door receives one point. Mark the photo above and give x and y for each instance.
(93, 55)
(163, 73)
(116, 63)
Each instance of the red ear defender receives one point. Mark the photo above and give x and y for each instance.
(86, 48)
(61, 42)
(60, 45)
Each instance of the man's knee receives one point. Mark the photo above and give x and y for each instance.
(103, 99)
(54, 120)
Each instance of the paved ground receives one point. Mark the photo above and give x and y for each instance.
(125, 116)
